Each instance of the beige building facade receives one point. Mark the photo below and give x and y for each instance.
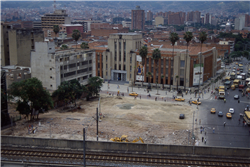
(119, 59)
(159, 21)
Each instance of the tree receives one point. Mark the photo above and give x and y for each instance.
(188, 36)
(156, 56)
(76, 35)
(84, 45)
(69, 91)
(202, 37)
(173, 38)
(143, 53)
(63, 47)
(30, 93)
(56, 29)
(93, 87)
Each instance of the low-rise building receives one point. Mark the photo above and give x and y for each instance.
(53, 67)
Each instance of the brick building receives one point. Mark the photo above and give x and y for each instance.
(138, 19)
(177, 18)
(69, 28)
(194, 16)
(119, 60)
(149, 15)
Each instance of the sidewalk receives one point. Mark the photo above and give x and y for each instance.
(113, 88)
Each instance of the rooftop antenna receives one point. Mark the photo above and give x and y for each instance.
(54, 5)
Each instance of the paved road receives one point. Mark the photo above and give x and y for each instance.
(234, 134)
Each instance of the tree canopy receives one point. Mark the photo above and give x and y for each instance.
(56, 29)
(202, 36)
(63, 47)
(143, 53)
(156, 54)
(173, 37)
(84, 45)
(31, 95)
(76, 35)
(188, 36)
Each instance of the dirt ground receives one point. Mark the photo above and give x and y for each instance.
(154, 121)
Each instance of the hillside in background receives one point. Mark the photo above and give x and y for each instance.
(204, 6)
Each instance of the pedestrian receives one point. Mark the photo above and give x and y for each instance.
(202, 139)
(224, 124)
(205, 140)
(201, 131)
(238, 101)
(213, 130)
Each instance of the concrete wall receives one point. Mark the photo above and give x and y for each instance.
(126, 147)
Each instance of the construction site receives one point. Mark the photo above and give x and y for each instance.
(121, 119)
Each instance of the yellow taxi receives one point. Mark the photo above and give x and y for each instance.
(238, 73)
(234, 67)
(133, 94)
(233, 87)
(213, 110)
(195, 102)
(229, 115)
(236, 63)
(179, 99)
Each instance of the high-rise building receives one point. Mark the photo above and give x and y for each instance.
(194, 16)
(138, 19)
(149, 15)
(206, 18)
(240, 22)
(56, 18)
(247, 20)
(176, 18)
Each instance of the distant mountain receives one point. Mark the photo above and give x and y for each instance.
(205, 6)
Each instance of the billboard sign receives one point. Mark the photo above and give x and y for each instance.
(139, 69)
(198, 74)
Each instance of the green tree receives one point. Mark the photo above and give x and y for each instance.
(156, 56)
(202, 37)
(30, 91)
(56, 29)
(84, 45)
(69, 91)
(76, 35)
(63, 47)
(188, 36)
(93, 87)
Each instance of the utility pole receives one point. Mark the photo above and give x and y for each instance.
(84, 148)
(193, 132)
(97, 124)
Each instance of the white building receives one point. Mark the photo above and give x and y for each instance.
(239, 22)
(53, 67)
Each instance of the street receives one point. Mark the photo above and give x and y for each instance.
(234, 134)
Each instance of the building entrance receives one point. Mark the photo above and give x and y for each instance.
(118, 75)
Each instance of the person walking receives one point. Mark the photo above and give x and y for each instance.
(202, 139)
(205, 140)
(213, 130)
(224, 124)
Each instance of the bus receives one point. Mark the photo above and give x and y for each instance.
(236, 83)
(227, 84)
(246, 117)
(243, 76)
(232, 75)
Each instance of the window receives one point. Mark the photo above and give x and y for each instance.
(106, 66)
(130, 69)
(65, 67)
(106, 58)
(119, 66)
(172, 62)
(50, 77)
(85, 77)
(61, 75)
(98, 65)
(90, 61)
(90, 68)
(51, 85)
(181, 72)
(130, 59)
(130, 76)
(162, 70)
(182, 63)
(78, 64)
(61, 67)
(106, 73)
(147, 60)
(115, 55)
(152, 69)
(124, 67)
(166, 71)
(72, 65)
(84, 62)
(69, 74)
(162, 61)
(147, 69)
(50, 69)
(124, 57)
(120, 56)
(115, 66)
(172, 71)
(166, 62)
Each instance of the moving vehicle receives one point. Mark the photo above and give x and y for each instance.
(238, 73)
(247, 80)
(195, 102)
(179, 99)
(229, 115)
(220, 114)
(231, 110)
(222, 87)
(221, 93)
(233, 87)
(241, 87)
(236, 83)
(213, 111)
(227, 84)
(239, 77)
(246, 117)
(232, 75)
(236, 97)
(243, 76)
(133, 94)
(227, 78)
(241, 68)
(182, 116)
